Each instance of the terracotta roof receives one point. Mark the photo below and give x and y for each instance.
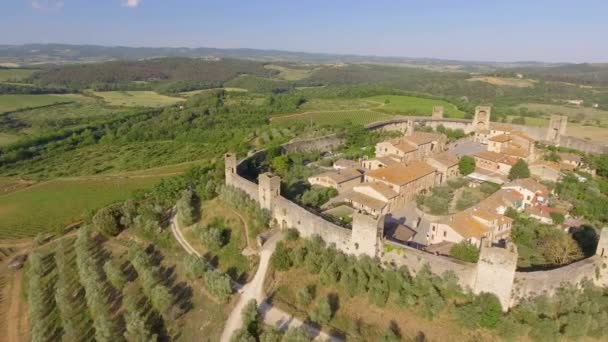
(365, 200)
(570, 157)
(466, 225)
(517, 152)
(445, 159)
(501, 198)
(340, 176)
(491, 216)
(421, 138)
(401, 174)
(403, 233)
(501, 138)
(402, 145)
(500, 127)
(387, 160)
(346, 163)
(522, 135)
(496, 157)
(536, 211)
(528, 183)
(381, 188)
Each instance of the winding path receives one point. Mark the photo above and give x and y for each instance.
(255, 290)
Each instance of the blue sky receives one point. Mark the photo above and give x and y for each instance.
(515, 30)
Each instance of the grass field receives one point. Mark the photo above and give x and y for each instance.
(196, 92)
(137, 98)
(574, 112)
(290, 74)
(505, 81)
(410, 105)
(51, 205)
(574, 129)
(10, 103)
(357, 117)
(14, 74)
(7, 138)
(229, 258)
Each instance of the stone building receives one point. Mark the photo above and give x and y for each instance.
(406, 180)
(379, 162)
(446, 165)
(495, 162)
(397, 148)
(533, 192)
(373, 198)
(341, 180)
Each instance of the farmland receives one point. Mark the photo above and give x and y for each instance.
(51, 205)
(577, 113)
(14, 74)
(290, 74)
(504, 81)
(410, 105)
(331, 118)
(15, 102)
(7, 138)
(202, 91)
(137, 98)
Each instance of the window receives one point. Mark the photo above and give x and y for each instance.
(445, 233)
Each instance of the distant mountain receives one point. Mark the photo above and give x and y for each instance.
(33, 54)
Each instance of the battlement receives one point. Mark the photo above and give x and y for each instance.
(366, 234)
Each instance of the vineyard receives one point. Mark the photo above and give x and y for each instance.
(331, 118)
(84, 290)
(409, 105)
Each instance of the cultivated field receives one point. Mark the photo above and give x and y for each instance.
(10, 103)
(574, 112)
(7, 138)
(137, 98)
(333, 118)
(290, 74)
(202, 91)
(505, 81)
(410, 105)
(14, 74)
(52, 205)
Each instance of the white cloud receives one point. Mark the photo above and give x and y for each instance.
(46, 4)
(131, 3)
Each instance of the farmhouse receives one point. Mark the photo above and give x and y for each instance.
(341, 180)
(495, 162)
(533, 193)
(446, 165)
(372, 198)
(406, 180)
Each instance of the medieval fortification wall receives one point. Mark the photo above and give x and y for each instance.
(495, 272)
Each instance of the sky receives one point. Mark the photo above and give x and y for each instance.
(481, 30)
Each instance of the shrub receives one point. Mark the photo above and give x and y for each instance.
(557, 218)
(213, 237)
(107, 220)
(185, 208)
(466, 200)
(195, 267)
(519, 170)
(281, 259)
(250, 317)
(292, 234)
(465, 251)
(322, 312)
(466, 165)
(115, 275)
(305, 295)
(316, 197)
(295, 335)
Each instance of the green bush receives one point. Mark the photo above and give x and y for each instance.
(466, 165)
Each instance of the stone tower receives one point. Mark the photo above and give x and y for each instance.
(601, 259)
(230, 166)
(409, 128)
(437, 112)
(366, 236)
(496, 271)
(269, 188)
(481, 120)
(557, 128)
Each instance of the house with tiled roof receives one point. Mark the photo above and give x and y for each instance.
(545, 170)
(373, 198)
(379, 162)
(398, 149)
(533, 192)
(341, 180)
(495, 162)
(446, 165)
(407, 180)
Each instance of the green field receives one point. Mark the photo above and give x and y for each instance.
(290, 74)
(14, 74)
(137, 98)
(201, 91)
(333, 118)
(410, 105)
(580, 114)
(7, 138)
(10, 103)
(51, 205)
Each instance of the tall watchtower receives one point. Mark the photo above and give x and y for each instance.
(481, 120)
(437, 112)
(269, 188)
(557, 128)
(496, 271)
(230, 166)
(366, 236)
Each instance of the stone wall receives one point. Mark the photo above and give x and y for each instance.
(322, 144)
(415, 259)
(529, 284)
